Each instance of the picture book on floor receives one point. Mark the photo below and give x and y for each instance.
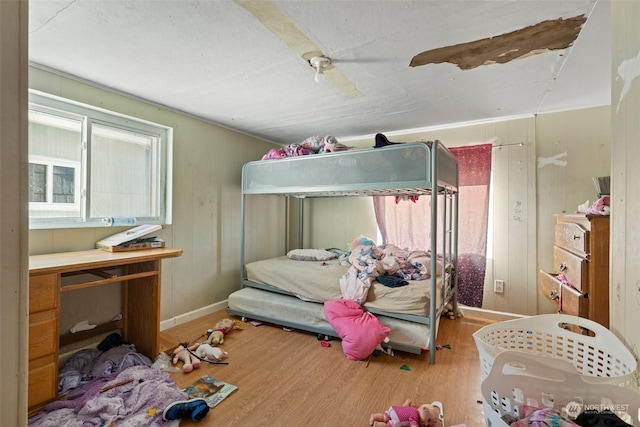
(212, 390)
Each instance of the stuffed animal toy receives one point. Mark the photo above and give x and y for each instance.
(362, 241)
(406, 415)
(223, 327)
(602, 206)
(331, 145)
(450, 313)
(182, 353)
(213, 354)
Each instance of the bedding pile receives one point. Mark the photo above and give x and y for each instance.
(319, 281)
(367, 263)
(100, 388)
(141, 398)
(88, 364)
(311, 145)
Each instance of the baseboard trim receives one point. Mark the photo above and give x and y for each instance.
(481, 313)
(192, 315)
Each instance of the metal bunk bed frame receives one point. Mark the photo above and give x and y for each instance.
(438, 177)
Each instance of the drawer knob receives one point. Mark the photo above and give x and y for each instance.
(576, 237)
(563, 266)
(553, 295)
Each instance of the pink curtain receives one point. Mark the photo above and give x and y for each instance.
(398, 221)
(473, 218)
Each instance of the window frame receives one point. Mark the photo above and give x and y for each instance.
(90, 115)
(50, 163)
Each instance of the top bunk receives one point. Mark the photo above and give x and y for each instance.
(415, 168)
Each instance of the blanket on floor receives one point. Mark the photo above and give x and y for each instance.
(139, 401)
(87, 364)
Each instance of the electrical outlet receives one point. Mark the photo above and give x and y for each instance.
(498, 286)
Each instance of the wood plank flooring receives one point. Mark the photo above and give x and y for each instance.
(289, 379)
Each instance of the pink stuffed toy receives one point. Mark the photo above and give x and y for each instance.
(602, 206)
(190, 362)
(406, 415)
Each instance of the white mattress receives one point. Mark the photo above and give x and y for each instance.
(320, 281)
(274, 307)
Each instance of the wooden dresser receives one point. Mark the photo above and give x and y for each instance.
(52, 274)
(581, 255)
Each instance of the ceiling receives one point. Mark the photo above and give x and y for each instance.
(244, 64)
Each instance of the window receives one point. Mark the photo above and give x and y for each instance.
(86, 164)
(54, 185)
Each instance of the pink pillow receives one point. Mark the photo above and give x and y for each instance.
(360, 331)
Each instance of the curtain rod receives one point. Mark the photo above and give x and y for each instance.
(515, 144)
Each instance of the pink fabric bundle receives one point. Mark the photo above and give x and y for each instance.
(361, 332)
(602, 206)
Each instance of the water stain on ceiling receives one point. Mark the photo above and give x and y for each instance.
(543, 37)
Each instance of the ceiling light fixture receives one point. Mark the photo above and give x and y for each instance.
(319, 63)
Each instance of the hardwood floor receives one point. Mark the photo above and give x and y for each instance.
(289, 379)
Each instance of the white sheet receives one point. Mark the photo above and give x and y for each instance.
(319, 281)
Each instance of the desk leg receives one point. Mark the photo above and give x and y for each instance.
(141, 309)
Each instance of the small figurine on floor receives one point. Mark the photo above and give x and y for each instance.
(406, 415)
(190, 361)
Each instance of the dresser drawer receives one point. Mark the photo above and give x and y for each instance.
(43, 292)
(573, 237)
(567, 300)
(574, 267)
(43, 334)
(43, 381)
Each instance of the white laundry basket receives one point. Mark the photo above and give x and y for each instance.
(603, 355)
(518, 379)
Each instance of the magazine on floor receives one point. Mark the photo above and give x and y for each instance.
(210, 389)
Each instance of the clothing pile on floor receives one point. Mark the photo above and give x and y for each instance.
(105, 387)
(139, 395)
(89, 364)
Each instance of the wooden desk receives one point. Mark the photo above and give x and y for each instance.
(139, 272)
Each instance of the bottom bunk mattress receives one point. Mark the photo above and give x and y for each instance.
(293, 312)
(319, 281)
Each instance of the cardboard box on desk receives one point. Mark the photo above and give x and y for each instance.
(132, 240)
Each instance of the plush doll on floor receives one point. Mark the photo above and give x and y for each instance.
(208, 353)
(406, 415)
(224, 326)
(450, 312)
(190, 362)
